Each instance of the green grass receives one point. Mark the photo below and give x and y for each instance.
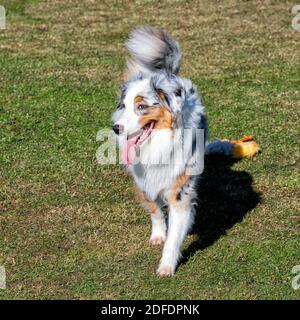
(70, 228)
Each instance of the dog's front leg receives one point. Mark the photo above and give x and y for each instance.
(159, 228)
(180, 220)
(179, 224)
(158, 235)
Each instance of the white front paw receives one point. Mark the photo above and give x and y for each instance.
(157, 240)
(158, 236)
(165, 270)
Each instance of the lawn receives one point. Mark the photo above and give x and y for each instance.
(71, 228)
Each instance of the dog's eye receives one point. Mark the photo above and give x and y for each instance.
(141, 107)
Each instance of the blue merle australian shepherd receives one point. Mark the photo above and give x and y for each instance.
(155, 109)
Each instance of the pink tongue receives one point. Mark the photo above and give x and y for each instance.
(129, 152)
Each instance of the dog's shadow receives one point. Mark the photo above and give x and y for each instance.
(224, 197)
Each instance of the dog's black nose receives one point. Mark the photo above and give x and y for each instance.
(117, 128)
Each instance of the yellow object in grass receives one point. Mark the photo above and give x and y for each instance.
(244, 148)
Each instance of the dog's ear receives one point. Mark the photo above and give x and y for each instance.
(162, 96)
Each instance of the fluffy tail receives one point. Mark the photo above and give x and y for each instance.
(237, 149)
(151, 50)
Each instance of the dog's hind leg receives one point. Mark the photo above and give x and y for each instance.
(181, 217)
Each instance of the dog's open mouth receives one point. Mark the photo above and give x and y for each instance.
(134, 142)
(144, 133)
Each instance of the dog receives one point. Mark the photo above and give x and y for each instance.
(155, 109)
